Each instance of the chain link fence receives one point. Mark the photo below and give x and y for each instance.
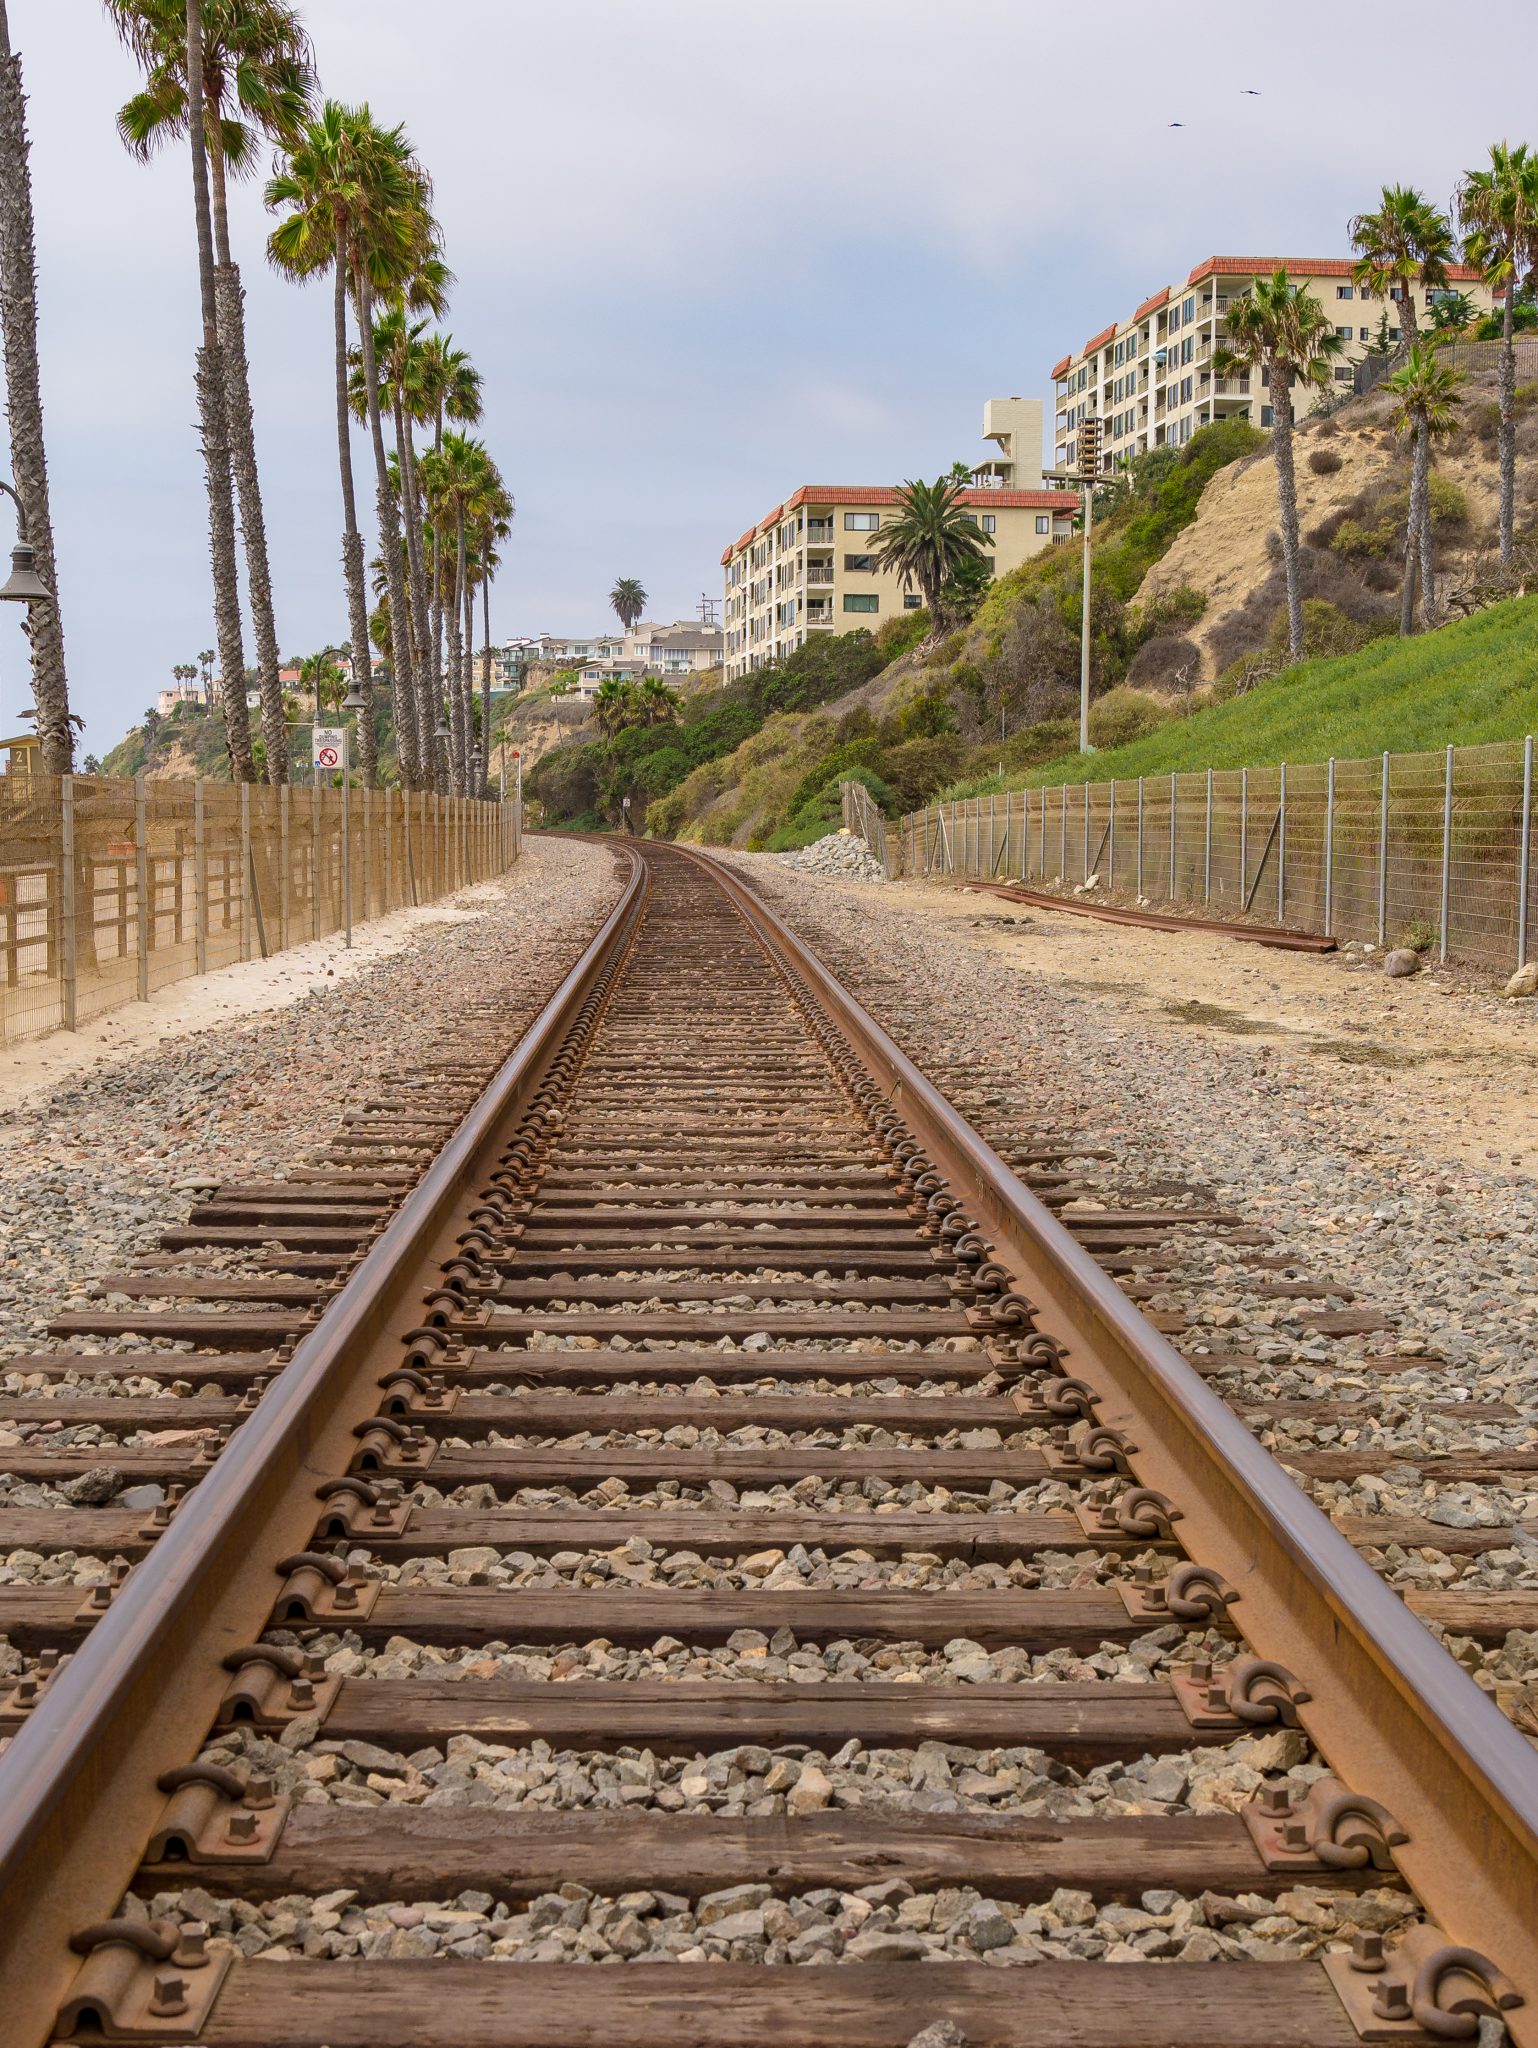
(1430, 849)
(111, 888)
(862, 817)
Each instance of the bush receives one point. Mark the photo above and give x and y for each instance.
(1326, 630)
(1123, 715)
(1169, 662)
(1168, 611)
(896, 635)
(1325, 461)
(916, 769)
(927, 715)
(1375, 526)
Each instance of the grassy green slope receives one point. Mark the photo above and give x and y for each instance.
(1470, 683)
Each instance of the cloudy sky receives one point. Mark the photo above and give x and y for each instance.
(706, 251)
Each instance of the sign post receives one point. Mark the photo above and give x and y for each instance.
(329, 753)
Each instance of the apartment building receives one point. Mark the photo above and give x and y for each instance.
(680, 649)
(809, 566)
(1150, 376)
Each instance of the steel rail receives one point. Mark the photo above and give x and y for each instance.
(78, 1793)
(1283, 938)
(1395, 1716)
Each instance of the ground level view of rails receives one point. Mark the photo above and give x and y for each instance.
(700, 1467)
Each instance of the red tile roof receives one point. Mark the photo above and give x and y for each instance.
(1098, 340)
(1303, 266)
(886, 494)
(1058, 368)
(1152, 305)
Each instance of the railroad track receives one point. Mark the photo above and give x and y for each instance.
(679, 1497)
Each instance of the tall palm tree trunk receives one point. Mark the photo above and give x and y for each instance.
(29, 456)
(390, 547)
(352, 540)
(437, 600)
(216, 444)
(467, 684)
(1428, 565)
(1420, 452)
(1287, 500)
(453, 611)
(231, 308)
(411, 508)
(486, 676)
(1506, 387)
(1414, 525)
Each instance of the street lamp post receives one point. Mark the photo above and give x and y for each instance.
(1087, 474)
(23, 585)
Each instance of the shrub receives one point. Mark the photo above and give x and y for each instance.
(1167, 611)
(927, 715)
(1325, 461)
(1169, 662)
(1326, 630)
(896, 635)
(920, 766)
(1123, 715)
(1360, 535)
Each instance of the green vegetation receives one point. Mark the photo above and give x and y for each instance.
(1472, 682)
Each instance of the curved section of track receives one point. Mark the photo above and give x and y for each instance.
(711, 1272)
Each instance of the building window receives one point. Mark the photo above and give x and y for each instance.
(861, 522)
(1345, 291)
(1344, 377)
(1364, 334)
(861, 601)
(1344, 333)
(864, 565)
(1267, 416)
(988, 523)
(911, 600)
(1043, 522)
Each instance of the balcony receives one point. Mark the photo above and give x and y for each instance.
(819, 613)
(819, 533)
(817, 575)
(1230, 387)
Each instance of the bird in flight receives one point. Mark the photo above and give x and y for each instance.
(1177, 124)
(1249, 92)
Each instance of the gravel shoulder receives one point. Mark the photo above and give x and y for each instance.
(94, 1164)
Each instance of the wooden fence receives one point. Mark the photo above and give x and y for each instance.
(111, 888)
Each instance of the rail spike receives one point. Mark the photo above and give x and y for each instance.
(1444, 1988)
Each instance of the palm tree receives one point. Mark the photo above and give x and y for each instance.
(319, 674)
(1281, 330)
(1427, 394)
(258, 84)
(494, 515)
(614, 707)
(929, 538)
(456, 477)
(628, 599)
(449, 389)
(24, 402)
(1498, 211)
(1405, 241)
(359, 209)
(214, 419)
(1452, 312)
(206, 662)
(658, 704)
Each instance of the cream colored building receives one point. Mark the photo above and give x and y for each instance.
(810, 565)
(1150, 377)
(1014, 426)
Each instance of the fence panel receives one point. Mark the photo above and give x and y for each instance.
(1431, 849)
(112, 888)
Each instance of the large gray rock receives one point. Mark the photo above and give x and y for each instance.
(1524, 982)
(1402, 961)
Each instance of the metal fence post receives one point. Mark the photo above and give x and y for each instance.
(1383, 857)
(368, 865)
(1062, 856)
(1207, 850)
(1110, 835)
(199, 879)
(1140, 836)
(146, 917)
(1174, 792)
(314, 859)
(285, 879)
(67, 904)
(1524, 859)
(1281, 847)
(1086, 831)
(1447, 853)
(1244, 834)
(1329, 849)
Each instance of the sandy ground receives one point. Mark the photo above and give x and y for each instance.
(1458, 1066)
(248, 989)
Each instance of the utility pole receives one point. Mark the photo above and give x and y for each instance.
(1086, 475)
